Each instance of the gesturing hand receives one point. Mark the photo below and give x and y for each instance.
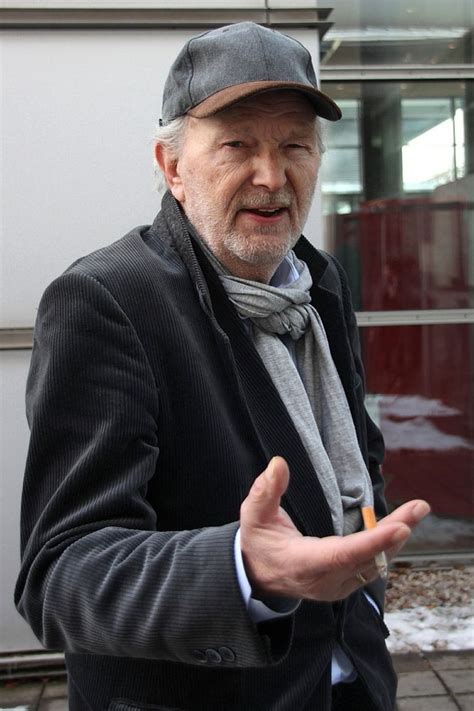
(280, 561)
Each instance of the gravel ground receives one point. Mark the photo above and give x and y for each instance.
(430, 609)
(429, 587)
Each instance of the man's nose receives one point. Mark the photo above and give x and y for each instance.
(269, 170)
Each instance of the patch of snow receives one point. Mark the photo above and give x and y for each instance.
(409, 405)
(419, 433)
(372, 405)
(415, 406)
(430, 629)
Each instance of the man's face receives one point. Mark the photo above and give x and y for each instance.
(245, 179)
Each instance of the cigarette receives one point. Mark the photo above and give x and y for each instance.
(368, 517)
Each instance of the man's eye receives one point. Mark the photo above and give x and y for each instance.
(234, 144)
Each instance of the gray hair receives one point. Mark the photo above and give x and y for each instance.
(171, 137)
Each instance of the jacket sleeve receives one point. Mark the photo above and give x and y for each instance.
(97, 576)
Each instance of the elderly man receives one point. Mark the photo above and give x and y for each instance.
(173, 367)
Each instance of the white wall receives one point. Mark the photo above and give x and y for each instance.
(77, 113)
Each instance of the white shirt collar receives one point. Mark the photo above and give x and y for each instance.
(286, 272)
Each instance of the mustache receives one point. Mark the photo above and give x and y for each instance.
(263, 200)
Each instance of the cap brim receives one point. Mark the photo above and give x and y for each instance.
(324, 106)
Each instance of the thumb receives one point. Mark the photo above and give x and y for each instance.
(263, 500)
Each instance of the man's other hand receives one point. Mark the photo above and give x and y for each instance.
(280, 561)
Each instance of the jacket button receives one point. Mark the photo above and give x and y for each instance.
(213, 656)
(199, 655)
(227, 654)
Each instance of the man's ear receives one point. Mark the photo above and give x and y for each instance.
(169, 168)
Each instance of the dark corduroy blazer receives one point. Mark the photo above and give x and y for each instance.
(151, 414)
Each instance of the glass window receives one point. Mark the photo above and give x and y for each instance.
(397, 181)
(404, 233)
(432, 143)
(342, 170)
(421, 393)
(391, 33)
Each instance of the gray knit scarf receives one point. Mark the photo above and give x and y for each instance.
(315, 399)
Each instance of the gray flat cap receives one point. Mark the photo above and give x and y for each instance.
(219, 68)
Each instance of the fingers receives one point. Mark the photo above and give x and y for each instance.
(366, 576)
(358, 550)
(389, 537)
(263, 501)
(265, 528)
(410, 514)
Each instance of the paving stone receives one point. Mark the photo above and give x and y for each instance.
(460, 681)
(423, 683)
(427, 703)
(466, 701)
(56, 689)
(452, 660)
(410, 662)
(16, 693)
